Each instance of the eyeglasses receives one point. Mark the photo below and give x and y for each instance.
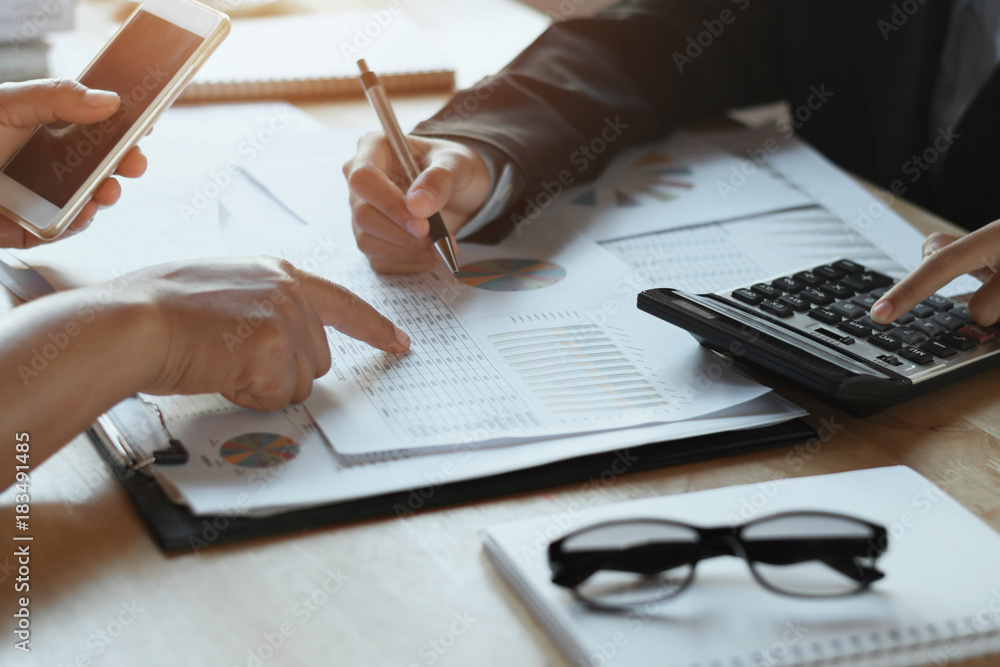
(631, 563)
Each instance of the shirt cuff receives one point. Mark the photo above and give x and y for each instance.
(496, 203)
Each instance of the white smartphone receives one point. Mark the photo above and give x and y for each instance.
(147, 62)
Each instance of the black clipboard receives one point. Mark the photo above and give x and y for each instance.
(176, 529)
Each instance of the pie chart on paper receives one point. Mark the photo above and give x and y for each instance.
(511, 275)
(259, 450)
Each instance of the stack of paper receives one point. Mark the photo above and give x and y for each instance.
(537, 353)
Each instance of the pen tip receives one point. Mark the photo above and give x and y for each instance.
(363, 66)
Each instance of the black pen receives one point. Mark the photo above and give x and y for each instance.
(397, 141)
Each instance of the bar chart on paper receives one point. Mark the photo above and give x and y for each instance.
(576, 369)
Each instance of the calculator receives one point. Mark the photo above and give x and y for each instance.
(812, 328)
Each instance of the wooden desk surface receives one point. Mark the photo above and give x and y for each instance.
(415, 591)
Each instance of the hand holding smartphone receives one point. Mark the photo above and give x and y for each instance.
(147, 63)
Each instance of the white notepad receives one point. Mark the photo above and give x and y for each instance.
(939, 601)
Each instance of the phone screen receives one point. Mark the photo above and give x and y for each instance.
(59, 157)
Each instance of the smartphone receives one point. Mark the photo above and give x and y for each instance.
(147, 62)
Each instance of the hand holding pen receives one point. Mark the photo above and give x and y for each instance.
(392, 225)
(397, 141)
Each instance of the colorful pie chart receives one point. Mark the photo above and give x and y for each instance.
(259, 450)
(511, 275)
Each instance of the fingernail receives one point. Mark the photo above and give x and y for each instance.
(100, 98)
(882, 312)
(418, 228)
(403, 339)
(423, 200)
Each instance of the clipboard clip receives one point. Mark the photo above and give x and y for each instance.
(175, 453)
(118, 445)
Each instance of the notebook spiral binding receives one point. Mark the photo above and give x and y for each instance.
(966, 639)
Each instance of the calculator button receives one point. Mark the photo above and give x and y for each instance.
(885, 342)
(929, 327)
(962, 313)
(872, 324)
(788, 284)
(839, 290)
(815, 296)
(959, 341)
(880, 292)
(809, 278)
(829, 272)
(855, 328)
(866, 281)
(847, 266)
(825, 316)
(746, 296)
(866, 301)
(916, 355)
(889, 359)
(977, 333)
(904, 319)
(795, 303)
(766, 290)
(846, 340)
(851, 311)
(908, 335)
(775, 308)
(948, 321)
(939, 349)
(938, 302)
(922, 310)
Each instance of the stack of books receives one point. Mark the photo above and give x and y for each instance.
(23, 27)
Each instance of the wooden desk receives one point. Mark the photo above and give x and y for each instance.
(415, 591)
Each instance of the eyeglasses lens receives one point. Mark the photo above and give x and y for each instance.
(811, 554)
(636, 562)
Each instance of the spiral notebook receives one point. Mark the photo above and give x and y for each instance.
(939, 601)
(314, 55)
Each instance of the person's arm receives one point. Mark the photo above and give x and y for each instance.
(584, 91)
(945, 258)
(589, 88)
(251, 330)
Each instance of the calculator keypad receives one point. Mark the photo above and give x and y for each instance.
(831, 302)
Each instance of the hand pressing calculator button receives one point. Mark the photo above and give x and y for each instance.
(817, 332)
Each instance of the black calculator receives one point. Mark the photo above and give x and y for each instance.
(812, 328)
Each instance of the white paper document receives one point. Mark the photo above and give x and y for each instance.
(510, 359)
(679, 182)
